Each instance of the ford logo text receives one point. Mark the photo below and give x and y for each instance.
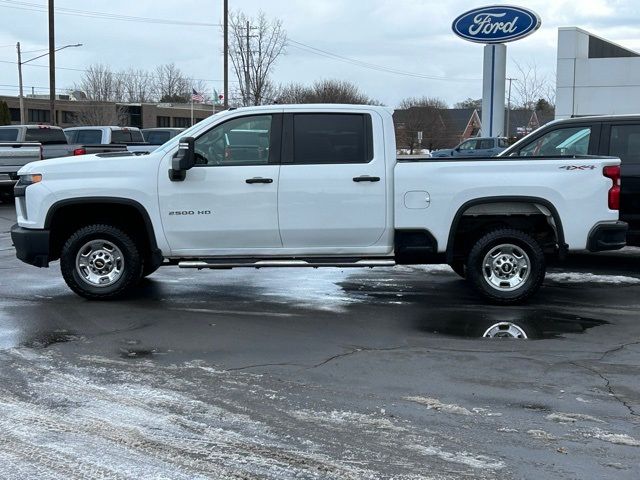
(496, 24)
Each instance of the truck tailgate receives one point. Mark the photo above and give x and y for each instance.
(18, 154)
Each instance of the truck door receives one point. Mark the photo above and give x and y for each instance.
(332, 192)
(227, 203)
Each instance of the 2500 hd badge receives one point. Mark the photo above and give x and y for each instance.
(190, 212)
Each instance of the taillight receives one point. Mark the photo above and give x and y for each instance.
(79, 151)
(613, 172)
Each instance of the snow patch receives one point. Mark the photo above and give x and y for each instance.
(575, 277)
(480, 462)
(541, 435)
(572, 418)
(615, 438)
(437, 405)
(338, 417)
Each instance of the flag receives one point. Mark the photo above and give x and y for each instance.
(196, 97)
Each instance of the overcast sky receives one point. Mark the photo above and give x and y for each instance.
(406, 35)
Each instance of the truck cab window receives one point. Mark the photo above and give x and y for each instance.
(468, 145)
(241, 141)
(560, 142)
(331, 138)
(8, 134)
(625, 143)
(89, 137)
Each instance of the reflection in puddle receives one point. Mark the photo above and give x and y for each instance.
(517, 324)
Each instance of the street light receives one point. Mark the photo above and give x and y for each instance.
(20, 63)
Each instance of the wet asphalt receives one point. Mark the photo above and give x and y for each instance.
(329, 374)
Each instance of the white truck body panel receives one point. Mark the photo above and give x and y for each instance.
(317, 209)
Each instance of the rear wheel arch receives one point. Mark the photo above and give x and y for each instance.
(503, 220)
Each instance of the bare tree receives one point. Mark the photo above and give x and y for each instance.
(98, 114)
(530, 86)
(253, 58)
(415, 115)
(98, 83)
(470, 103)
(138, 86)
(325, 91)
(171, 85)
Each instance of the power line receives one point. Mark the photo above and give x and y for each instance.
(372, 66)
(37, 7)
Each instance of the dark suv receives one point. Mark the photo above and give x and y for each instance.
(615, 135)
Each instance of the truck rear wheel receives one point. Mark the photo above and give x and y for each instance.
(100, 262)
(506, 266)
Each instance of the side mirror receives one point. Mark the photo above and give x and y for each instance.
(183, 160)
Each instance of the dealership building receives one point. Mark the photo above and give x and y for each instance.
(595, 76)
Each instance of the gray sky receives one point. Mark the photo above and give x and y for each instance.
(406, 35)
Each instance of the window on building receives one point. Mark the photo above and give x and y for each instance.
(68, 117)
(39, 116)
(163, 122)
(181, 122)
(625, 143)
(331, 138)
(15, 114)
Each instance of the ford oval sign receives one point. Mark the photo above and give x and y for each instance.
(496, 24)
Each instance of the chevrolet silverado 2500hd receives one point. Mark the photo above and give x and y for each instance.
(312, 186)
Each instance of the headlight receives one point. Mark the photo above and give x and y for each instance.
(25, 180)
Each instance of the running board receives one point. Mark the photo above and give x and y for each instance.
(222, 264)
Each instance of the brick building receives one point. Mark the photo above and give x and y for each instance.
(70, 113)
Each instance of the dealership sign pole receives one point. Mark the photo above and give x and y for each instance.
(494, 26)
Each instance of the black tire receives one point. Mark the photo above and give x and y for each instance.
(131, 271)
(521, 242)
(459, 267)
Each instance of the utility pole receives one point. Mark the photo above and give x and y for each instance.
(247, 73)
(52, 66)
(226, 53)
(22, 119)
(509, 107)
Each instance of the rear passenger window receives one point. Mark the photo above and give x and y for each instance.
(321, 138)
(625, 143)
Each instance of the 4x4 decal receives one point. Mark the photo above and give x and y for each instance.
(577, 167)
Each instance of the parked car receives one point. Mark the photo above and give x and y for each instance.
(615, 135)
(25, 143)
(474, 147)
(129, 136)
(161, 135)
(14, 156)
(53, 140)
(310, 186)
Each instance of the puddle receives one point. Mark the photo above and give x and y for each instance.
(45, 340)
(506, 324)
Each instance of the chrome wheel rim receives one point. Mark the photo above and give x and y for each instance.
(506, 267)
(505, 330)
(100, 263)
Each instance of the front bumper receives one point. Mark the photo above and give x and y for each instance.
(608, 236)
(32, 246)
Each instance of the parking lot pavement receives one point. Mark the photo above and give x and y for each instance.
(331, 373)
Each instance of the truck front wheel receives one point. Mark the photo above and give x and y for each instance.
(100, 262)
(506, 266)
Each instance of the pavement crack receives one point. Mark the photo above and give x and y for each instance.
(618, 348)
(258, 365)
(608, 386)
(353, 352)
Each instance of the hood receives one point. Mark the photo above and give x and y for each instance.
(82, 165)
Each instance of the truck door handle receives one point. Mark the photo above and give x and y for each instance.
(259, 180)
(366, 178)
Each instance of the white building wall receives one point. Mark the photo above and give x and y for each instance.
(593, 86)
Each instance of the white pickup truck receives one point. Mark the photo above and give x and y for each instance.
(310, 186)
(130, 136)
